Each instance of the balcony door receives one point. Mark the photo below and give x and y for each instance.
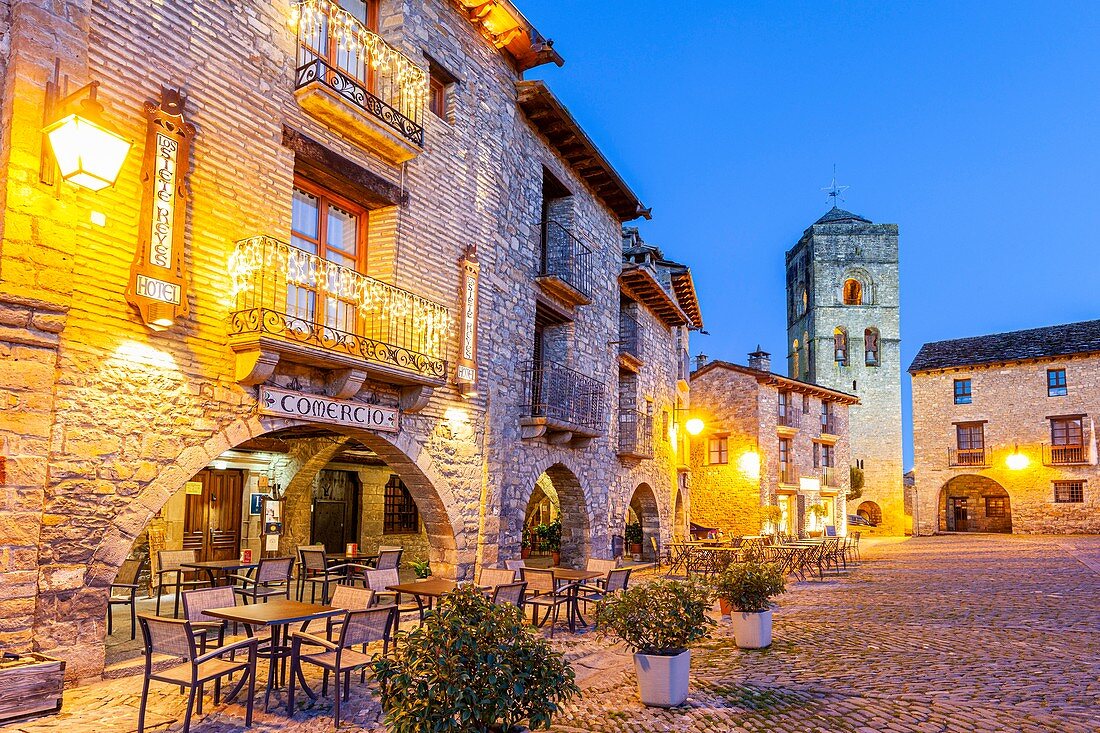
(333, 230)
(970, 439)
(212, 519)
(319, 41)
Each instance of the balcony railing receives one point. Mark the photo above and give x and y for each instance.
(1065, 455)
(564, 396)
(293, 296)
(966, 457)
(789, 417)
(829, 476)
(635, 434)
(566, 258)
(630, 336)
(788, 474)
(335, 49)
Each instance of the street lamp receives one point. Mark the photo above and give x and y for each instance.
(1017, 461)
(87, 151)
(694, 426)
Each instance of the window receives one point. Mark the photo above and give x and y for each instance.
(1056, 382)
(349, 58)
(853, 292)
(870, 347)
(1067, 431)
(784, 405)
(828, 455)
(786, 471)
(805, 404)
(970, 436)
(400, 514)
(333, 229)
(817, 455)
(441, 91)
(827, 425)
(840, 345)
(962, 392)
(1069, 492)
(794, 359)
(996, 506)
(718, 448)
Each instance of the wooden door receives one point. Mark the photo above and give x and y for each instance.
(330, 524)
(958, 514)
(212, 519)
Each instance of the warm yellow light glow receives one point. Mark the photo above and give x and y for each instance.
(1018, 461)
(134, 352)
(98, 218)
(749, 463)
(456, 415)
(694, 426)
(87, 153)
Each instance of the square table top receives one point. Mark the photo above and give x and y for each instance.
(352, 556)
(219, 565)
(274, 612)
(428, 587)
(573, 574)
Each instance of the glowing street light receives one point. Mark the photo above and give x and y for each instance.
(88, 152)
(694, 426)
(1017, 461)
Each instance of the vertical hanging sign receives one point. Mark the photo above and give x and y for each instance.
(466, 375)
(158, 286)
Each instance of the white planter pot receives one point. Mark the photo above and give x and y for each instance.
(663, 681)
(752, 630)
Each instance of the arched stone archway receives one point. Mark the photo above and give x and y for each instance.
(679, 518)
(971, 503)
(646, 511)
(870, 511)
(576, 538)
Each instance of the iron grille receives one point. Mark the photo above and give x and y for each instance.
(966, 457)
(635, 433)
(554, 391)
(630, 335)
(567, 258)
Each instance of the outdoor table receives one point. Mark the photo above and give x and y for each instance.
(276, 614)
(679, 552)
(222, 567)
(351, 557)
(575, 578)
(427, 590)
(710, 560)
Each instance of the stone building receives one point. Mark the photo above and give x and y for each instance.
(1004, 432)
(353, 263)
(768, 441)
(843, 333)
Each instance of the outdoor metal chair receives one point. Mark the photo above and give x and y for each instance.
(510, 593)
(124, 593)
(316, 571)
(492, 577)
(208, 628)
(516, 565)
(548, 593)
(853, 546)
(388, 559)
(272, 579)
(338, 657)
(615, 581)
(300, 571)
(170, 574)
(348, 598)
(176, 637)
(379, 581)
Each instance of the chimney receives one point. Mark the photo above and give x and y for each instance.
(701, 360)
(760, 359)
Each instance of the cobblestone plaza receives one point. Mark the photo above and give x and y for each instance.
(951, 633)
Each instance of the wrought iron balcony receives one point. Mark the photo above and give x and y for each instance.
(294, 305)
(829, 477)
(559, 399)
(348, 76)
(788, 474)
(1065, 455)
(567, 261)
(789, 417)
(630, 340)
(966, 457)
(635, 434)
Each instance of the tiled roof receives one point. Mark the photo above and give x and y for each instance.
(778, 380)
(1034, 343)
(838, 216)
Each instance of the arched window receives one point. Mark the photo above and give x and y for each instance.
(853, 292)
(870, 347)
(794, 359)
(840, 345)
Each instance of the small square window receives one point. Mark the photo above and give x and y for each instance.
(963, 394)
(400, 514)
(718, 448)
(1056, 382)
(441, 91)
(1069, 492)
(996, 506)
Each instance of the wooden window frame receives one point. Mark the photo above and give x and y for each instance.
(1055, 422)
(969, 427)
(1075, 495)
(996, 507)
(325, 198)
(960, 397)
(397, 516)
(332, 45)
(722, 444)
(1057, 388)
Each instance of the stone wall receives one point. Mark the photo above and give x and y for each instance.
(1011, 400)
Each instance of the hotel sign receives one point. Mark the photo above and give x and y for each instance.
(466, 374)
(322, 409)
(158, 286)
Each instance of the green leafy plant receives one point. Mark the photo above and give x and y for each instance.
(552, 537)
(818, 510)
(421, 569)
(658, 618)
(472, 667)
(750, 586)
(633, 533)
(856, 489)
(772, 516)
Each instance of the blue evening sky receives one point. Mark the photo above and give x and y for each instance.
(972, 125)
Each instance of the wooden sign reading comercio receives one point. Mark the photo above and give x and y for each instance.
(318, 408)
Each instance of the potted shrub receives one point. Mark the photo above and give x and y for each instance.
(472, 667)
(745, 590)
(772, 517)
(633, 536)
(658, 621)
(552, 541)
(525, 546)
(818, 512)
(421, 569)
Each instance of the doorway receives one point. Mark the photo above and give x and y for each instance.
(957, 514)
(212, 516)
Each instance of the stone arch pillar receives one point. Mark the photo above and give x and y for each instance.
(644, 504)
(311, 458)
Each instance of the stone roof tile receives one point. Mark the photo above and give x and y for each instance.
(1033, 343)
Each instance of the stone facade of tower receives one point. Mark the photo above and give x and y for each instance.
(843, 333)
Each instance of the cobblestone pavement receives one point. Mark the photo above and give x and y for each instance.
(957, 633)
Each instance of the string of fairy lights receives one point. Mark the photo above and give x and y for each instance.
(371, 297)
(315, 18)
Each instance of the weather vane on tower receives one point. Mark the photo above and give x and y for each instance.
(833, 191)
